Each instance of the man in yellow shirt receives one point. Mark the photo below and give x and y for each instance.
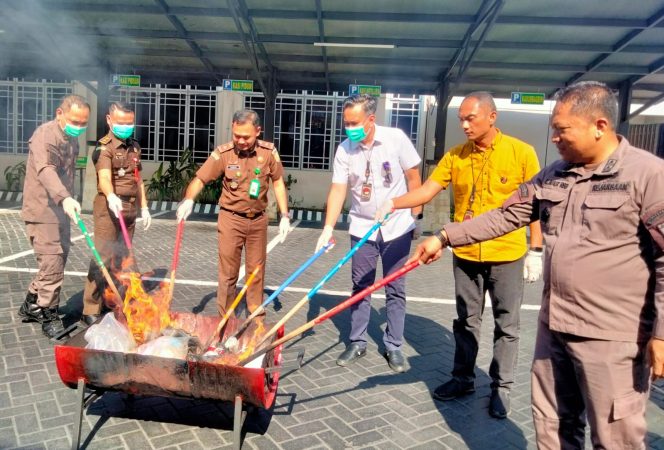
(484, 172)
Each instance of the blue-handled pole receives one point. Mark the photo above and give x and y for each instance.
(320, 284)
(283, 286)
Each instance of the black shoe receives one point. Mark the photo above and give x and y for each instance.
(30, 311)
(89, 319)
(52, 325)
(499, 404)
(395, 360)
(352, 352)
(453, 389)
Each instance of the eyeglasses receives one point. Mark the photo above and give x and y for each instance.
(387, 173)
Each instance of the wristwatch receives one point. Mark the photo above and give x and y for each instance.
(442, 237)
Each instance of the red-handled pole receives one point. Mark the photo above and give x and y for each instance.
(336, 310)
(176, 259)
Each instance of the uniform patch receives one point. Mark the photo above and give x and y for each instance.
(215, 155)
(275, 155)
(260, 159)
(653, 219)
(523, 191)
(233, 167)
(105, 140)
(609, 165)
(659, 215)
(612, 187)
(556, 183)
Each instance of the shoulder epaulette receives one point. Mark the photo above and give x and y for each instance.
(265, 144)
(105, 140)
(225, 147)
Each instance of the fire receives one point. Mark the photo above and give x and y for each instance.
(147, 313)
(248, 340)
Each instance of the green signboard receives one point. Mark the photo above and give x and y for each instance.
(354, 89)
(81, 162)
(126, 80)
(527, 98)
(238, 85)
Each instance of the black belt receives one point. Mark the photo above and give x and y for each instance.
(249, 215)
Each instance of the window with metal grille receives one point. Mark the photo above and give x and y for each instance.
(404, 113)
(307, 127)
(24, 105)
(170, 120)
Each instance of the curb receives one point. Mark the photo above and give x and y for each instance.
(305, 215)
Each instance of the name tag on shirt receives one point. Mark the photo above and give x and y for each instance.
(233, 167)
(365, 192)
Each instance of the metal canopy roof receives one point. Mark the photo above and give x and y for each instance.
(495, 45)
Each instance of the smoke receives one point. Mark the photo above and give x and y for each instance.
(43, 39)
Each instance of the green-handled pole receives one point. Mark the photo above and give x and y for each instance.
(100, 263)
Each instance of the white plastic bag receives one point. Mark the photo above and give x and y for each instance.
(110, 335)
(166, 347)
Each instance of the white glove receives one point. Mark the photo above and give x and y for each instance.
(532, 268)
(417, 232)
(114, 204)
(384, 209)
(325, 237)
(284, 228)
(147, 218)
(71, 207)
(185, 209)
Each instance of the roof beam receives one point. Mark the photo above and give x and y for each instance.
(184, 34)
(652, 21)
(647, 105)
(249, 50)
(413, 43)
(321, 32)
(345, 16)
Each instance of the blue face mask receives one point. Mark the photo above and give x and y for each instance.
(73, 130)
(356, 134)
(122, 131)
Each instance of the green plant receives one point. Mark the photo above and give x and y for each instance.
(14, 176)
(290, 180)
(170, 184)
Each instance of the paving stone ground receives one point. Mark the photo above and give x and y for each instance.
(321, 405)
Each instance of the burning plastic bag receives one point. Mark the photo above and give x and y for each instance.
(109, 335)
(166, 347)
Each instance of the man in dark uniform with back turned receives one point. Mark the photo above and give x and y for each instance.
(120, 188)
(48, 204)
(246, 165)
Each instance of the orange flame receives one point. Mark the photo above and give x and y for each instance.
(247, 344)
(147, 313)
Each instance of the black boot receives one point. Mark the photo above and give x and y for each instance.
(52, 325)
(30, 311)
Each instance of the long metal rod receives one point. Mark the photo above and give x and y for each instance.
(231, 309)
(320, 284)
(337, 309)
(176, 259)
(280, 289)
(102, 266)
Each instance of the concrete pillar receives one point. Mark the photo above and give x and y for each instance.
(227, 103)
(87, 147)
(624, 102)
(443, 96)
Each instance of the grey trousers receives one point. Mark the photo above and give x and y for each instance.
(504, 282)
(576, 378)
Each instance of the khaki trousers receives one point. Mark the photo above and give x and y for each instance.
(234, 233)
(111, 247)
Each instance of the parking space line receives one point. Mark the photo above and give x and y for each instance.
(437, 301)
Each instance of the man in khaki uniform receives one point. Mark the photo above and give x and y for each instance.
(601, 211)
(120, 189)
(48, 204)
(246, 165)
